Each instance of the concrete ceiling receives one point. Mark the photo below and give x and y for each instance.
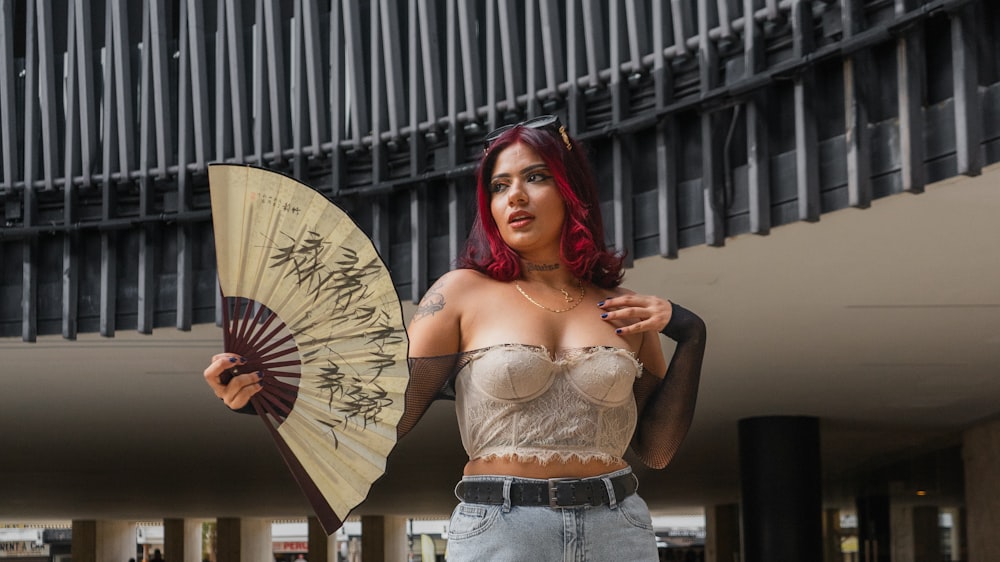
(883, 322)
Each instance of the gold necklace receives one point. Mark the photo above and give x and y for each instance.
(583, 292)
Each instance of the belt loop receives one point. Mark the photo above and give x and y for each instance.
(612, 500)
(458, 492)
(506, 494)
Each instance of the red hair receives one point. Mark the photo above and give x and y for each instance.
(582, 249)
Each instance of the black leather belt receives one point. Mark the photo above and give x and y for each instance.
(554, 492)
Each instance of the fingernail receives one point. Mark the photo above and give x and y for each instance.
(600, 303)
(232, 359)
(618, 331)
(605, 315)
(260, 374)
(243, 359)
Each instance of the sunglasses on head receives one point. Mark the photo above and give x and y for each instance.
(542, 122)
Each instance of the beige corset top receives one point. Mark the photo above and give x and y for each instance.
(522, 402)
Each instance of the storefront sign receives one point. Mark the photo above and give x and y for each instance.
(22, 549)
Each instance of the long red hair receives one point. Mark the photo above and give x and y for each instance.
(582, 247)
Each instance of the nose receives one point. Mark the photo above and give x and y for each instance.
(516, 193)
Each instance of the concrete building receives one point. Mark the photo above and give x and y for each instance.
(818, 181)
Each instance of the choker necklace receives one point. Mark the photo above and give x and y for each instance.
(576, 301)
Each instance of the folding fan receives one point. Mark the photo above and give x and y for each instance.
(309, 303)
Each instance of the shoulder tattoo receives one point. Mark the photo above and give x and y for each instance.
(432, 302)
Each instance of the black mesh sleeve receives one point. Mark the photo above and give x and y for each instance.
(666, 406)
(431, 378)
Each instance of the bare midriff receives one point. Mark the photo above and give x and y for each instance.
(572, 468)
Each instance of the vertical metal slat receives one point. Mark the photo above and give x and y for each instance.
(392, 59)
(666, 132)
(429, 50)
(456, 133)
(968, 108)
(638, 34)
(260, 109)
(910, 87)
(29, 275)
(314, 78)
(277, 78)
(472, 79)
(70, 260)
(532, 53)
(552, 47)
(298, 100)
(712, 173)
(595, 35)
(856, 135)
(512, 55)
(806, 135)
(223, 113)
(492, 56)
(416, 100)
(758, 157)
(338, 114)
(47, 97)
(198, 59)
(8, 98)
(375, 43)
(237, 79)
(123, 88)
(145, 289)
(355, 70)
(678, 18)
(87, 104)
(162, 103)
(185, 285)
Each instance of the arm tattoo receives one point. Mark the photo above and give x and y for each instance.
(432, 302)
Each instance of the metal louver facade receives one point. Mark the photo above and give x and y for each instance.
(705, 119)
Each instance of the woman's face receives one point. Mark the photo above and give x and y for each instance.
(526, 204)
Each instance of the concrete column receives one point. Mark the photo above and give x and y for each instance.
(915, 534)
(981, 453)
(322, 547)
(781, 489)
(103, 541)
(244, 540)
(182, 540)
(383, 538)
(722, 533)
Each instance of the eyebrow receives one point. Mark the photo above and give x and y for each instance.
(526, 170)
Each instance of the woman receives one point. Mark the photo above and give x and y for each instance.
(556, 369)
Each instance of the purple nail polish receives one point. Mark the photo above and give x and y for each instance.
(232, 359)
(260, 374)
(605, 315)
(600, 303)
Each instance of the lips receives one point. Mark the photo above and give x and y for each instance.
(519, 218)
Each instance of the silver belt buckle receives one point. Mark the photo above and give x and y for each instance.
(554, 490)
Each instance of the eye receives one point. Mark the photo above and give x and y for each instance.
(535, 177)
(497, 186)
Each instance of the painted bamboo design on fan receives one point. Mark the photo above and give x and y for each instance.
(342, 284)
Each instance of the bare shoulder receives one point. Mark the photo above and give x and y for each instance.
(435, 328)
(445, 295)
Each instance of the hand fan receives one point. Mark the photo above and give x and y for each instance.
(309, 303)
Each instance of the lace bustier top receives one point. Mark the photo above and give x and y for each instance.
(517, 401)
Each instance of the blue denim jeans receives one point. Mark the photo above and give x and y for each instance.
(619, 532)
